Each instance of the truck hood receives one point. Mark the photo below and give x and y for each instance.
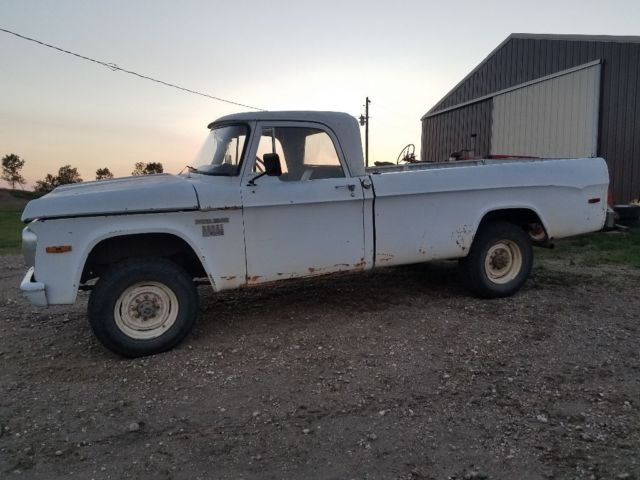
(147, 193)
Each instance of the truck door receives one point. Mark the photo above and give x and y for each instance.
(308, 221)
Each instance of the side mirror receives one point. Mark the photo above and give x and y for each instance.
(272, 165)
(272, 168)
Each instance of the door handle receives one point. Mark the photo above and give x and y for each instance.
(350, 187)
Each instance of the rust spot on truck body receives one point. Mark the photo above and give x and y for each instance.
(460, 236)
(359, 265)
(312, 271)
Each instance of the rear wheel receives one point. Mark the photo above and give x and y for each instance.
(143, 306)
(499, 261)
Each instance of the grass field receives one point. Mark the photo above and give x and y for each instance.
(612, 248)
(10, 229)
(11, 205)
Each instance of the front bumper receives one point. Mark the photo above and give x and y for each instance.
(33, 291)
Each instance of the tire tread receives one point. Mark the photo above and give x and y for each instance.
(116, 280)
(473, 264)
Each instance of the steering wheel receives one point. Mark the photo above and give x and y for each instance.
(259, 165)
(407, 154)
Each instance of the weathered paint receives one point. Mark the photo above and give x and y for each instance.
(146, 193)
(429, 212)
(359, 266)
(307, 228)
(462, 236)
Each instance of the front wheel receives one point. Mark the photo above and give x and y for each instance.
(499, 261)
(143, 306)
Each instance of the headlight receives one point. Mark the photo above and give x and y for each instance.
(29, 241)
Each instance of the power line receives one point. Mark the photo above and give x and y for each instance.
(114, 67)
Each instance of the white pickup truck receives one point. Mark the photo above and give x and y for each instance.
(281, 195)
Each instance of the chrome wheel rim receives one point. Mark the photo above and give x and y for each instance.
(146, 310)
(503, 262)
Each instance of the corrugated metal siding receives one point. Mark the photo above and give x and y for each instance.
(555, 118)
(619, 140)
(519, 61)
(525, 59)
(451, 132)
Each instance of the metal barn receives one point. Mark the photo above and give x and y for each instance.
(547, 96)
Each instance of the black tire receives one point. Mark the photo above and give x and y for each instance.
(499, 261)
(150, 286)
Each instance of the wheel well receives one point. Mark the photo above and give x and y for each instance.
(525, 218)
(116, 249)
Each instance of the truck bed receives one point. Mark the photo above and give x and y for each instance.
(427, 211)
(406, 167)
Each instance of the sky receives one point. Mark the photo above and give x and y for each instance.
(56, 109)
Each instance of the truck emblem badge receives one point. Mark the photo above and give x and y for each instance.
(207, 221)
(213, 230)
(212, 227)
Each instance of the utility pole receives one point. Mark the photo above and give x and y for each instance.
(364, 120)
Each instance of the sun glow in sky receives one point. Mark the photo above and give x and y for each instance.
(56, 109)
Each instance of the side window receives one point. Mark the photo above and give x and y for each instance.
(320, 151)
(305, 153)
(269, 144)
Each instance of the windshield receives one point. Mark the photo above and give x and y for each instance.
(222, 151)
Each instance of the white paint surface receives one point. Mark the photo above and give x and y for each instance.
(276, 230)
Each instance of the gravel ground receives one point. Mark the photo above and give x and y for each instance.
(398, 374)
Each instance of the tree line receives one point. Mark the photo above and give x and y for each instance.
(12, 166)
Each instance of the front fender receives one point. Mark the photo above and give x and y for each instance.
(222, 256)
